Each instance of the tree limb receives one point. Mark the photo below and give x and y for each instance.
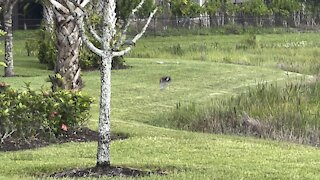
(59, 6)
(137, 37)
(125, 29)
(85, 38)
(87, 19)
(84, 3)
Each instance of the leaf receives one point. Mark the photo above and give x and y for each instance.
(3, 64)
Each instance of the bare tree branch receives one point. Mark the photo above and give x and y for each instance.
(59, 6)
(84, 3)
(125, 29)
(88, 21)
(137, 37)
(85, 38)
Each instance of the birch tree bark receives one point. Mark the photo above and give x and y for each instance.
(7, 18)
(48, 16)
(110, 46)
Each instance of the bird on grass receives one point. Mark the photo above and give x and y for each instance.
(164, 81)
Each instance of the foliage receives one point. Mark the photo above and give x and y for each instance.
(3, 64)
(31, 46)
(186, 8)
(28, 113)
(256, 8)
(124, 7)
(284, 7)
(1, 34)
(88, 60)
(47, 52)
(212, 6)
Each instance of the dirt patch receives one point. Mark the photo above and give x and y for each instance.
(79, 135)
(98, 172)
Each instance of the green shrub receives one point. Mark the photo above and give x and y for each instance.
(31, 46)
(88, 59)
(3, 86)
(29, 113)
(47, 52)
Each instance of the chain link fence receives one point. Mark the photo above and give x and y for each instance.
(214, 23)
(161, 25)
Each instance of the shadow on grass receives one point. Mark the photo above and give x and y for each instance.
(79, 135)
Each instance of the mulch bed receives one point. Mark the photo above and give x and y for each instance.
(97, 172)
(80, 135)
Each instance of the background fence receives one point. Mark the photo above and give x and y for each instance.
(162, 25)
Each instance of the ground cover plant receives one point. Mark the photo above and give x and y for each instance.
(137, 102)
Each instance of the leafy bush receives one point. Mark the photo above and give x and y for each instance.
(29, 113)
(47, 52)
(31, 46)
(266, 111)
(88, 60)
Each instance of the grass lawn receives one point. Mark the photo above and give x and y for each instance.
(137, 101)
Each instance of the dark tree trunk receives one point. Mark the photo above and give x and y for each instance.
(68, 44)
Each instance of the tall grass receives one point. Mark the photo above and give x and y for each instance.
(223, 30)
(283, 113)
(296, 52)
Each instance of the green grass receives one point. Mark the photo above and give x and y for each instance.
(292, 52)
(137, 101)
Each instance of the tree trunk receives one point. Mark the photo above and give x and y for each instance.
(103, 153)
(48, 15)
(68, 44)
(7, 17)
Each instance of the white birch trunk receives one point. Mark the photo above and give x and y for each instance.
(103, 153)
(7, 17)
(48, 14)
(109, 31)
